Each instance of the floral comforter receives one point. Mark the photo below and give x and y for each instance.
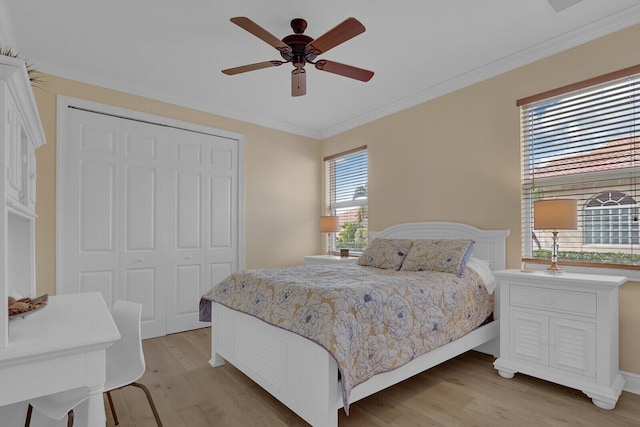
(371, 320)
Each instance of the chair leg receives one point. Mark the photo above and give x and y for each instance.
(113, 409)
(153, 406)
(27, 422)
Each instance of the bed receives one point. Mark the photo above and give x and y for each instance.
(307, 377)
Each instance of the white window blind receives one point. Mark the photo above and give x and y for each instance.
(583, 143)
(347, 192)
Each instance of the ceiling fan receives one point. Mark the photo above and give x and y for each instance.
(300, 49)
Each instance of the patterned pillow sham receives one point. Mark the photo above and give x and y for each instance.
(385, 253)
(447, 256)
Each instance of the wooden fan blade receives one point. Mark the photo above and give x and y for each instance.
(251, 67)
(344, 70)
(264, 35)
(298, 82)
(347, 29)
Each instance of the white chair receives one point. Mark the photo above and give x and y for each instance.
(125, 365)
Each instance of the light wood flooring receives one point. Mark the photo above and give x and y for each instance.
(465, 391)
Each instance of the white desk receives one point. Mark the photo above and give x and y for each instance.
(61, 347)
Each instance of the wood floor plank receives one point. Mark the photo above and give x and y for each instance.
(465, 391)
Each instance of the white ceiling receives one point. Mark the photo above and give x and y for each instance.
(419, 49)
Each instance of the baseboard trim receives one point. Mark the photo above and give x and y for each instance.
(631, 382)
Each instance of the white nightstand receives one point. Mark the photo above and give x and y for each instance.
(329, 259)
(562, 328)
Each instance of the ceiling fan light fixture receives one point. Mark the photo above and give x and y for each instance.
(298, 82)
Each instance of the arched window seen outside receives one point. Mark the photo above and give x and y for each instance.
(611, 218)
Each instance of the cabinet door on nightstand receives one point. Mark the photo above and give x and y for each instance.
(573, 346)
(529, 337)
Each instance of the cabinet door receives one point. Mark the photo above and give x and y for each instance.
(31, 178)
(14, 153)
(573, 346)
(529, 337)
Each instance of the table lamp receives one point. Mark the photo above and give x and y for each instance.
(554, 215)
(329, 224)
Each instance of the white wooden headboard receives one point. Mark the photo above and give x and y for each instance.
(490, 244)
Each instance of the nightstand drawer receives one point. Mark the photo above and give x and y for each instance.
(581, 303)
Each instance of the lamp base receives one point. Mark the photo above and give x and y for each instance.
(554, 269)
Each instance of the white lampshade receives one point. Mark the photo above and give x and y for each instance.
(555, 214)
(329, 224)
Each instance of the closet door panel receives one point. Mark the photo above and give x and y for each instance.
(188, 210)
(93, 225)
(188, 277)
(221, 211)
(99, 281)
(218, 272)
(187, 228)
(141, 216)
(189, 274)
(96, 203)
(222, 172)
(143, 252)
(139, 286)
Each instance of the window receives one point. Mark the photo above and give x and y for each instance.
(583, 142)
(347, 192)
(611, 219)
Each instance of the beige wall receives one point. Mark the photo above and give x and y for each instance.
(456, 158)
(282, 180)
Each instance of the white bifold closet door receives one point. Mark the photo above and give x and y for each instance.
(151, 216)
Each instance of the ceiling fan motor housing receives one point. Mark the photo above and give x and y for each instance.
(298, 43)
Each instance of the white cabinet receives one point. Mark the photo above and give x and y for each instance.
(329, 259)
(21, 133)
(562, 328)
(19, 159)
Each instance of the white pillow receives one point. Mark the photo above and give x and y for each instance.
(482, 267)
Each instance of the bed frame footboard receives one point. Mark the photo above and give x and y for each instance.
(300, 374)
